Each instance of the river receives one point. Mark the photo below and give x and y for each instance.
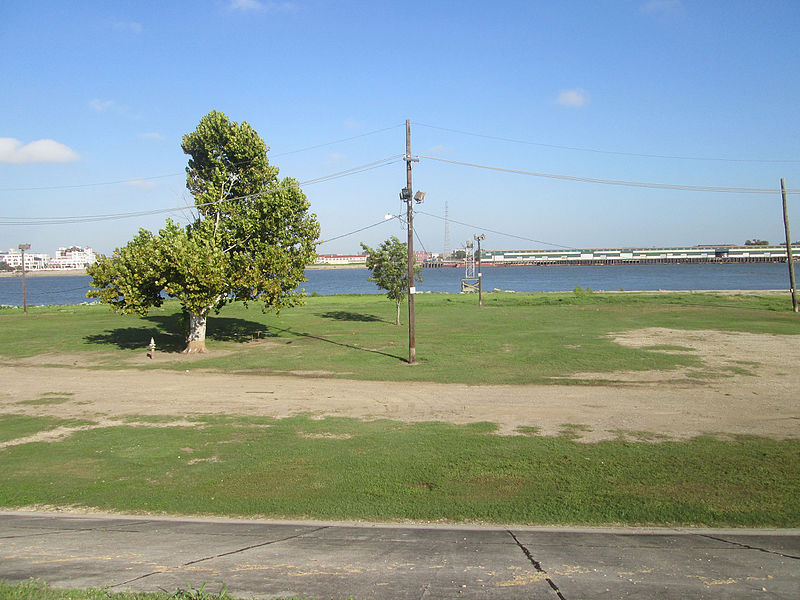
(69, 289)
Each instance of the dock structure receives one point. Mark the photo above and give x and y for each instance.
(704, 254)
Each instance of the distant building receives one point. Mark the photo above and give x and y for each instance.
(33, 260)
(686, 254)
(73, 257)
(341, 259)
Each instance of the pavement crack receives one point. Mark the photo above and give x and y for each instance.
(290, 537)
(28, 535)
(536, 564)
(748, 547)
(111, 587)
(193, 562)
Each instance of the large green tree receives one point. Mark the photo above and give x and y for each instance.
(389, 266)
(250, 239)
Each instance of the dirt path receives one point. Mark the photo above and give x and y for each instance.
(753, 389)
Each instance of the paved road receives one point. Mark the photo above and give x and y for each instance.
(327, 560)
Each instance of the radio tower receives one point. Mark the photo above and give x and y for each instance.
(446, 249)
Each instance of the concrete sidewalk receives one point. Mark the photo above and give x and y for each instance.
(364, 561)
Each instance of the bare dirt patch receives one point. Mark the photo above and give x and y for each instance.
(748, 384)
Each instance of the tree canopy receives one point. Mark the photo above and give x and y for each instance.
(250, 238)
(389, 266)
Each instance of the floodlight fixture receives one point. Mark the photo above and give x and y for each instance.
(419, 197)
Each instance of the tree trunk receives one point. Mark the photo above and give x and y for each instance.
(397, 318)
(196, 339)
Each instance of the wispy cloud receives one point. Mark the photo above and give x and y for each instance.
(335, 160)
(101, 105)
(111, 106)
(128, 26)
(263, 6)
(353, 125)
(151, 135)
(573, 98)
(41, 151)
(440, 149)
(141, 183)
(662, 7)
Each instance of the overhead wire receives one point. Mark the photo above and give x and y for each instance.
(503, 233)
(130, 180)
(639, 184)
(116, 216)
(360, 229)
(611, 152)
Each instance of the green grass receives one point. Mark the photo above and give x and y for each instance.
(38, 590)
(337, 468)
(514, 338)
(19, 426)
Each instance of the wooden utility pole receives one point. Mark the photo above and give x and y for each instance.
(480, 275)
(788, 246)
(24, 247)
(407, 194)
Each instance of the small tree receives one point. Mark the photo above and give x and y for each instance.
(389, 266)
(251, 238)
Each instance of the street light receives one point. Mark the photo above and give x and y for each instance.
(24, 247)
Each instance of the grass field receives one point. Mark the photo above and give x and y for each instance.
(337, 468)
(38, 590)
(514, 338)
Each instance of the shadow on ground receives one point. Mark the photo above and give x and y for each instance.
(168, 336)
(274, 332)
(344, 315)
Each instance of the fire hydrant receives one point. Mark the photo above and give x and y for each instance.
(152, 347)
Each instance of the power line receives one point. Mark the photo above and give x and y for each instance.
(381, 222)
(482, 228)
(339, 141)
(116, 216)
(612, 152)
(150, 178)
(639, 184)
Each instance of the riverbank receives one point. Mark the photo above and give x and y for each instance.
(46, 273)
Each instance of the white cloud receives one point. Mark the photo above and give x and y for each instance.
(662, 6)
(41, 151)
(573, 98)
(263, 6)
(131, 26)
(246, 5)
(151, 135)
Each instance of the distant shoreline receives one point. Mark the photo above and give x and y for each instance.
(322, 267)
(45, 273)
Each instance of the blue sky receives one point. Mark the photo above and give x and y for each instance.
(626, 90)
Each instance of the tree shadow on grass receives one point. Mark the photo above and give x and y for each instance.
(138, 338)
(169, 337)
(344, 315)
(304, 334)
